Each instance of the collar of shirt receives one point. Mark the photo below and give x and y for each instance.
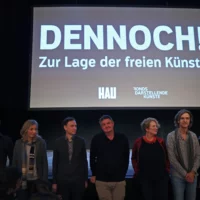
(72, 138)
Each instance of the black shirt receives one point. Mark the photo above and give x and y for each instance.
(151, 161)
(109, 159)
(75, 169)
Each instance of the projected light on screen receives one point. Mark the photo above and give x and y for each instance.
(97, 57)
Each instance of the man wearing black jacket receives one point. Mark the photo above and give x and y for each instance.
(6, 150)
(70, 167)
(109, 159)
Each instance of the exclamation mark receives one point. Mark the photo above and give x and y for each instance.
(198, 34)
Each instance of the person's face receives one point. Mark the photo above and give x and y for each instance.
(184, 120)
(71, 127)
(32, 131)
(153, 128)
(107, 125)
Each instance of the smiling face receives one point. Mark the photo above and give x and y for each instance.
(152, 129)
(107, 125)
(184, 121)
(32, 132)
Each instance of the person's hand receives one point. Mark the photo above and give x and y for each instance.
(93, 179)
(60, 197)
(190, 177)
(54, 188)
(86, 184)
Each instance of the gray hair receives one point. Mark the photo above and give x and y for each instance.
(146, 123)
(27, 124)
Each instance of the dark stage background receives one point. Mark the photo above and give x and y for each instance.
(126, 121)
(15, 60)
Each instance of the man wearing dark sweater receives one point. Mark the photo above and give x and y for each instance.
(70, 167)
(109, 159)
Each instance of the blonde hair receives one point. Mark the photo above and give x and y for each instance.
(24, 130)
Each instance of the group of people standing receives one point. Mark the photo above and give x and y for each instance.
(153, 160)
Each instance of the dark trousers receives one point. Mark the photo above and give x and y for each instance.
(155, 189)
(71, 190)
(26, 194)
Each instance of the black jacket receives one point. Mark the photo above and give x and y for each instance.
(77, 168)
(41, 157)
(6, 150)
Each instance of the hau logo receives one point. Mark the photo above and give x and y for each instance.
(107, 92)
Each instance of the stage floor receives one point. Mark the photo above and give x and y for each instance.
(129, 173)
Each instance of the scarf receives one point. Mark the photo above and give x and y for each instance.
(30, 168)
(31, 159)
(190, 152)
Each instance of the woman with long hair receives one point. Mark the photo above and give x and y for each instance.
(30, 157)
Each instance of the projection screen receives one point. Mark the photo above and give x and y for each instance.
(112, 57)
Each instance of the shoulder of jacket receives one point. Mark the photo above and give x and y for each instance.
(79, 138)
(171, 134)
(19, 141)
(161, 140)
(61, 138)
(138, 140)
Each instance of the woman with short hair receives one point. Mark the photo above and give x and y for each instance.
(150, 162)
